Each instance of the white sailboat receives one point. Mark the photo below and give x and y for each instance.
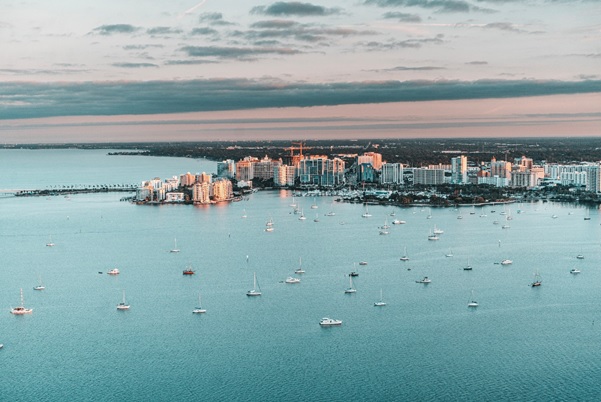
(537, 280)
(449, 254)
(256, 290)
(50, 243)
(123, 305)
(199, 309)
(314, 205)
(366, 214)
(21, 310)
(174, 249)
(381, 302)
(40, 286)
(472, 302)
(438, 231)
(302, 216)
(244, 213)
(300, 269)
(293, 205)
(351, 288)
(405, 257)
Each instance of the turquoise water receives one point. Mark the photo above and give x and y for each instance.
(521, 343)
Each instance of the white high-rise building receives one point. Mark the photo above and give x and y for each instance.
(392, 173)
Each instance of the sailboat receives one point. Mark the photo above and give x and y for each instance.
(199, 309)
(293, 205)
(537, 280)
(256, 290)
(174, 249)
(244, 213)
(468, 267)
(405, 257)
(381, 302)
(472, 302)
(302, 217)
(40, 286)
(314, 205)
(432, 236)
(587, 217)
(438, 231)
(449, 254)
(21, 310)
(366, 214)
(316, 218)
(123, 305)
(351, 288)
(50, 243)
(300, 269)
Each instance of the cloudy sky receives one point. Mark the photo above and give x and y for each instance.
(133, 70)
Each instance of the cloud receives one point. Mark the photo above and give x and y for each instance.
(204, 31)
(240, 53)
(141, 47)
(115, 29)
(296, 8)
(294, 30)
(407, 68)
(402, 17)
(134, 65)
(31, 100)
(400, 44)
(163, 31)
(213, 19)
(477, 63)
(189, 62)
(443, 6)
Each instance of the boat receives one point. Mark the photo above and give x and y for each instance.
(292, 279)
(351, 288)
(362, 262)
(385, 225)
(574, 271)
(449, 254)
(405, 257)
(554, 217)
(302, 217)
(381, 302)
(537, 280)
(580, 257)
(244, 214)
(123, 305)
(437, 231)
(269, 223)
(256, 290)
(587, 217)
(114, 271)
(21, 310)
(506, 262)
(300, 269)
(472, 302)
(424, 280)
(316, 218)
(459, 216)
(199, 309)
(314, 205)
(354, 273)
(50, 243)
(366, 214)
(398, 222)
(328, 322)
(468, 267)
(432, 236)
(269, 229)
(188, 271)
(293, 205)
(384, 232)
(331, 213)
(174, 249)
(40, 286)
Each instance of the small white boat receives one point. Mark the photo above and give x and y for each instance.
(574, 271)
(398, 222)
(328, 322)
(385, 225)
(50, 243)
(40, 286)
(314, 205)
(256, 290)
(351, 288)
(302, 216)
(384, 232)
(291, 279)
(114, 271)
(449, 254)
(123, 305)
(437, 231)
(300, 269)
(537, 280)
(331, 213)
(244, 214)
(362, 262)
(506, 262)
(174, 249)
(405, 257)
(432, 236)
(199, 309)
(424, 280)
(580, 257)
(381, 302)
(316, 218)
(366, 214)
(21, 310)
(472, 302)
(269, 229)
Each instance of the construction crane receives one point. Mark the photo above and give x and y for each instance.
(300, 146)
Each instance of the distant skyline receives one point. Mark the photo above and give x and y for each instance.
(207, 70)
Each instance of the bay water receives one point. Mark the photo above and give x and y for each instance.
(520, 343)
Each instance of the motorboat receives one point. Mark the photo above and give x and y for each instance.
(291, 279)
(574, 271)
(362, 262)
(188, 271)
(424, 280)
(328, 322)
(398, 222)
(506, 262)
(580, 257)
(433, 237)
(114, 271)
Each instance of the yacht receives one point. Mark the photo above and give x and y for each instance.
(21, 310)
(328, 322)
(574, 271)
(424, 280)
(114, 271)
(432, 236)
(398, 222)
(506, 262)
(291, 279)
(437, 231)
(123, 305)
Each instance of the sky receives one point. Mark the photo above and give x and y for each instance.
(150, 70)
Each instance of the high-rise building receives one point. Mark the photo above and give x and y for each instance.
(373, 158)
(187, 180)
(245, 169)
(283, 175)
(321, 171)
(227, 168)
(263, 169)
(430, 177)
(500, 168)
(459, 170)
(392, 173)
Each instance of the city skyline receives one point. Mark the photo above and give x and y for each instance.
(190, 71)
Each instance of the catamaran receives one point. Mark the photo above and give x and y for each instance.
(21, 310)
